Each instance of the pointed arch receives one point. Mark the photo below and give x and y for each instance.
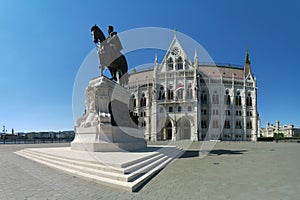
(179, 63)
(184, 129)
(170, 64)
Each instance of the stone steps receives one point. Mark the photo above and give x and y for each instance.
(129, 175)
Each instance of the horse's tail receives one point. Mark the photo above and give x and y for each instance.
(124, 68)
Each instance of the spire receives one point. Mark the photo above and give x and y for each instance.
(155, 59)
(247, 67)
(196, 58)
(247, 59)
(155, 67)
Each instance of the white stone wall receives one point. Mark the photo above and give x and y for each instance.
(159, 112)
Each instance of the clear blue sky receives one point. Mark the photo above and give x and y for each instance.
(43, 43)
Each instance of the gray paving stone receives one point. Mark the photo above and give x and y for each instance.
(231, 171)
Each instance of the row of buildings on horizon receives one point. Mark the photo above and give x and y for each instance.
(39, 135)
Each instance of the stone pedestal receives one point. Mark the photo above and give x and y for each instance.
(106, 124)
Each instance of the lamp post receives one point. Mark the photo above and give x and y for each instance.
(4, 133)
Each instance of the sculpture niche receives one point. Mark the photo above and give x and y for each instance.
(109, 51)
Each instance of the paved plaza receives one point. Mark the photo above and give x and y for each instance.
(231, 171)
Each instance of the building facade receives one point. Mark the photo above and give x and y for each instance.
(184, 100)
(286, 130)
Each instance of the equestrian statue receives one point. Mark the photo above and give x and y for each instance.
(109, 51)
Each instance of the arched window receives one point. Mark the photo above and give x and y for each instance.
(249, 100)
(249, 124)
(143, 124)
(215, 98)
(133, 101)
(170, 109)
(189, 91)
(203, 97)
(143, 114)
(143, 100)
(203, 123)
(170, 64)
(215, 112)
(170, 92)
(227, 98)
(161, 93)
(180, 93)
(238, 124)
(227, 124)
(227, 112)
(161, 109)
(238, 99)
(179, 64)
(179, 108)
(215, 123)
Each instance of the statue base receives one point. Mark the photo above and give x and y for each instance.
(107, 138)
(107, 125)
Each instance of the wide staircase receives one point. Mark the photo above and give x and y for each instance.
(128, 175)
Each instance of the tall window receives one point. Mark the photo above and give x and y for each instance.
(143, 124)
(143, 114)
(180, 94)
(238, 113)
(189, 92)
(227, 98)
(238, 99)
(249, 124)
(203, 98)
(215, 112)
(249, 113)
(227, 124)
(143, 100)
(215, 98)
(249, 100)
(161, 109)
(170, 109)
(170, 92)
(179, 108)
(215, 123)
(203, 123)
(179, 63)
(161, 93)
(238, 124)
(133, 101)
(170, 64)
(227, 112)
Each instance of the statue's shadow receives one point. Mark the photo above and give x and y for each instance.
(216, 152)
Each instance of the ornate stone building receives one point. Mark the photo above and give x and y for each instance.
(180, 99)
(286, 130)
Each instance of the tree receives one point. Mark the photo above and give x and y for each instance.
(278, 136)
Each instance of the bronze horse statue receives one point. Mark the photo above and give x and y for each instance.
(110, 55)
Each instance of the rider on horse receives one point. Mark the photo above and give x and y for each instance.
(109, 51)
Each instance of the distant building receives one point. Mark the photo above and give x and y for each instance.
(286, 130)
(183, 100)
(50, 135)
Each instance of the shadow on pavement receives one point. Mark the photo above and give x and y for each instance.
(217, 152)
(190, 154)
